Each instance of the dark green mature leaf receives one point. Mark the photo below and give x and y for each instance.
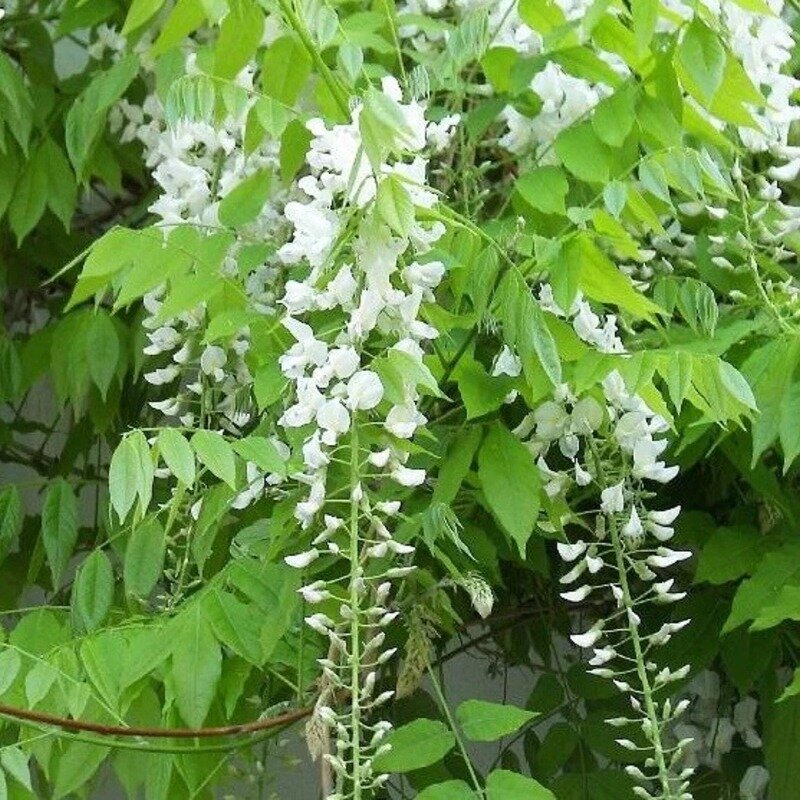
(416, 745)
(729, 554)
(102, 351)
(782, 749)
(776, 570)
(196, 666)
(59, 527)
(510, 483)
(93, 590)
(483, 721)
(11, 513)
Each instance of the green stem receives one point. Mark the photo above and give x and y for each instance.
(355, 632)
(299, 27)
(664, 775)
(456, 732)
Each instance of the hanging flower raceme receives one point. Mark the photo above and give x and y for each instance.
(355, 318)
(617, 446)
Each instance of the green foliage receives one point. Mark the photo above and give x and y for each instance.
(155, 543)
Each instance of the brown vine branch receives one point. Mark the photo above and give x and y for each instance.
(165, 733)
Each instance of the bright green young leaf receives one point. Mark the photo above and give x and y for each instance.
(416, 745)
(483, 721)
(15, 763)
(701, 58)
(144, 558)
(449, 790)
(545, 189)
(505, 785)
(510, 483)
(262, 452)
(216, 455)
(239, 37)
(394, 206)
(196, 666)
(140, 12)
(285, 69)
(177, 455)
(10, 663)
(614, 116)
(583, 154)
(246, 200)
(234, 624)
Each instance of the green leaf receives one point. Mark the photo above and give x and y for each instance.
(246, 200)
(11, 514)
(77, 765)
(235, 625)
(416, 745)
(285, 70)
(394, 206)
(93, 589)
(504, 785)
(30, 197)
(645, 17)
(782, 749)
(10, 663)
(102, 351)
(583, 154)
(216, 455)
(701, 59)
(177, 455)
(185, 17)
(59, 527)
(239, 37)
(525, 329)
(139, 13)
(776, 570)
(545, 189)
(15, 763)
(510, 483)
(86, 117)
(144, 558)
(62, 191)
(196, 666)
(729, 554)
(483, 721)
(262, 452)
(602, 281)
(449, 790)
(614, 116)
(788, 429)
(131, 474)
(785, 605)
